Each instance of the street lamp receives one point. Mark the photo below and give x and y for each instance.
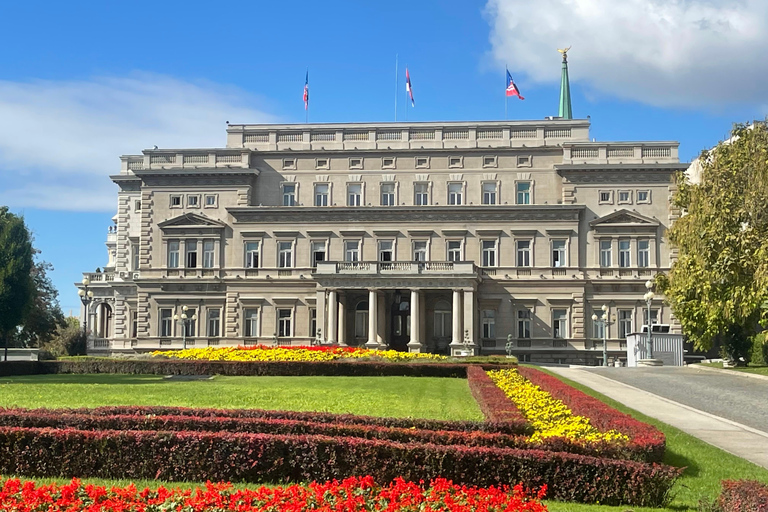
(185, 321)
(605, 323)
(648, 297)
(86, 297)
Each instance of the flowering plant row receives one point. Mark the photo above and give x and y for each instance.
(743, 496)
(549, 416)
(352, 494)
(270, 353)
(246, 457)
(493, 402)
(645, 441)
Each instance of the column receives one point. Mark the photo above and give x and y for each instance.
(332, 317)
(469, 319)
(372, 320)
(456, 339)
(320, 304)
(414, 344)
(342, 319)
(381, 322)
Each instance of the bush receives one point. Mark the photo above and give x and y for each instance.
(759, 354)
(743, 496)
(240, 457)
(69, 340)
(494, 404)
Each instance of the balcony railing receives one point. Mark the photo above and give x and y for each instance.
(395, 267)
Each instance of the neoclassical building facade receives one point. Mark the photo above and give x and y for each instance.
(442, 237)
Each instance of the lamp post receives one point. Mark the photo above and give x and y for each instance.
(605, 323)
(185, 321)
(86, 297)
(649, 295)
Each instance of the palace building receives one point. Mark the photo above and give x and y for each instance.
(456, 237)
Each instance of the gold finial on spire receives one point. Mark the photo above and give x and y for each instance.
(564, 51)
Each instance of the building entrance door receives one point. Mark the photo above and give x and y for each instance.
(400, 330)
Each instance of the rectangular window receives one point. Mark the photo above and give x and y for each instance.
(489, 253)
(489, 192)
(214, 322)
(318, 252)
(624, 259)
(284, 322)
(289, 194)
(625, 197)
(361, 321)
(524, 323)
(321, 194)
(354, 194)
(489, 324)
(454, 250)
(289, 163)
(352, 250)
(252, 254)
(166, 322)
(455, 193)
(420, 194)
(388, 162)
(643, 253)
(190, 326)
(191, 248)
(598, 327)
(193, 201)
(321, 163)
(313, 322)
(176, 201)
(422, 162)
(173, 254)
(134, 324)
(137, 206)
(605, 253)
(606, 197)
(385, 250)
(387, 194)
(210, 201)
(523, 253)
(251, 322)
(489, 161)
(558, 253)
(420, 250)
(442, 324)
(355, 163)
(285, 254)
(455, 162)
(523, 192)
(625, 322)
(643, 196)
(208, 254)
(560, 323)
(135, 256)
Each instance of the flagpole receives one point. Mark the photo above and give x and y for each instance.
(306, 110)
(506, 98)
(396, 86)
(406, 98)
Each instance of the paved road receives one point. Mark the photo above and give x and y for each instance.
(723, 393)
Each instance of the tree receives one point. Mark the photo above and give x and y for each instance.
(16, 284)
(44, 316)
(69, 340)
(719, 283)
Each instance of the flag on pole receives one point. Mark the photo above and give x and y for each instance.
(408, 87)
(306, 92)
(512, 89)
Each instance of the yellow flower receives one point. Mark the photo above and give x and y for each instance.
(265, 353)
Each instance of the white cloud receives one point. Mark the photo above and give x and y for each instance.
(662, 52)
(59, 140)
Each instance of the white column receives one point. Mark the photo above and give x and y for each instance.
(469, 319)
(414, 345)
(332, 316)
(372, 320)
(321, 314)
(456, 339)
(342, 319)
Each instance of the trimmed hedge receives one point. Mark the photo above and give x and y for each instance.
(238, 457)
(646, 443)
(493, 402)
(743, 496)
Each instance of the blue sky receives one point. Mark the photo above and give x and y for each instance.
(82, 83)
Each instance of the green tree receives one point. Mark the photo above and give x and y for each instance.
(719, 283)
(45, 315)
(68, 340)
(16, 284)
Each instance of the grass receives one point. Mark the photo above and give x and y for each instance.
(705, 466)
(419, 397)
(760, 370)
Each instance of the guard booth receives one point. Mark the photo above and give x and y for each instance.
(667, 347)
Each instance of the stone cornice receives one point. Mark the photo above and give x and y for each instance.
(406, 214)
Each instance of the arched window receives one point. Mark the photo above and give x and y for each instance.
(361, 320)
(443, 318)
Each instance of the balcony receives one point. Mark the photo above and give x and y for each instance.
(620, 153)
(395, 268)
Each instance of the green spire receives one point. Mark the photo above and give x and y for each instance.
(565, 89)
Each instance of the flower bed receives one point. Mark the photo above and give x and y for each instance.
(494, 404)
(269, 353)
(351, 494)
(743, 496)
(645, 441)
(226, 456)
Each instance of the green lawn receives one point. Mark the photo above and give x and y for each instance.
(760, 370)
(420, 397)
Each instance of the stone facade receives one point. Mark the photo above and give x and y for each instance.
(441, 237)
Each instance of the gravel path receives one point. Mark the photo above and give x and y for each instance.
(726, 394)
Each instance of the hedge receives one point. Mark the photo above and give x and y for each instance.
(240, 457)
(646, 442)
(493, 402)
(743, 496)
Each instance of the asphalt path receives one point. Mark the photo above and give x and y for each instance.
(727, 394)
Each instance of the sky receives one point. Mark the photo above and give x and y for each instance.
(82, 82)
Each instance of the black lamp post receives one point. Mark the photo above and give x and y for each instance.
(86, 297)
(605, 321)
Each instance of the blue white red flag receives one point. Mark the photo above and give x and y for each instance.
(306, 92)
(408, 87)
(512, 89)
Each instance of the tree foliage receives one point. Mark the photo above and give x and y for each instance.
(68, 340)
(719, 284)
(44, 315)
(17, 288)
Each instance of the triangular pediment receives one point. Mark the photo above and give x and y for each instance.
(623, 218)
(191, 220)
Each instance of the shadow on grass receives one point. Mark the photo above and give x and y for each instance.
(91, 378)
(672, 458)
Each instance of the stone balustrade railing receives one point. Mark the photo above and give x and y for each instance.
(620, 152)
(157, 159)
